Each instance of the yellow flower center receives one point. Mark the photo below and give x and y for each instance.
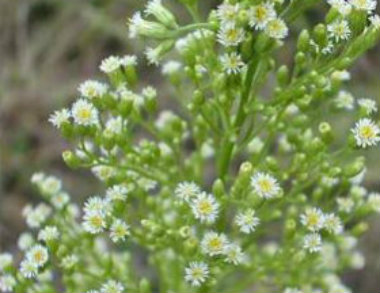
(367, 132)
(205, 207)
(215, 244)
(96, 221)
(312, 220)
(38, 256)
(265, 185)
(232, 35)
(84, 114)
(261, 13)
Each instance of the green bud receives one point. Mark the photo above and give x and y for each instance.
(218, 188)
(320, 35)
(326, 132)
(162, 14)
(300, 58)
(355, 168)
(283, 75)
(71, 159)
(359, 229)
(303, 41)
(144, 286)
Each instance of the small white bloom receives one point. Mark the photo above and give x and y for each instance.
(312, 242)
(374, 202)
(153, 56)
(231, 63)
(234, 254)
(171, 67)
(366, 133)
(69, 261)
(119, 230)
(97, 204)
(187, 191)
(28, 269)
(50, 185)
(92, 89)
(110, 64)
(246, 221)
(59, 117)
(345, 204)
(196, 273)
(165, 117)
(227, 13)
(368, 105)
(49, 233)
(25, 241)
(357, 260)
(112, 286)
(333, 224)
(114, 126)
(7, 283)
(94, 222)
(339, 30)
(260, 15)
(343, 7)
(255, 145)
(230, 36)
(60, 200)
(6, 260)
(117, 192)
(205, 208)
(37, 216)
(366, 5)
(265, 185)
(214, 243)
(128, 60)
(375, 21)
(342, 75)
(38, 255)
(277, 29)
(344, 100)
(84, 113)
(313, 219)
(103, 172)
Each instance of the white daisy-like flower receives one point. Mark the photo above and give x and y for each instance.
(50, 185)
(69, 261)
(97, 204)
(375, 21)
(94, 222)
(127, 95)
(313, 219)
(345, 204)
(374, 201)
(110, 64)
(366, 133)
(277, 29)
(112, 286)
(205, 207)
(59, 117)
(339, 30)
(265, 185)
(153, 56)
(37, 216)
(344, 100)
(255, 145)
(114, 126)
(103, 172)
(49, 233)
(60, 200)
(84, 113)
(246, 221)
(214, 243)
(333, 224)
(25, 241)
(368, 105)
(366, 5)
(230, 35)
(312, 242)
(38, 255)
(232, 63)
(196, 273)
(28, 269)
(119, 230)
(149, 93)
(165, 117)
(92, 89)
(117, 192)
(260, 15)
(227, 13)
(6, 260)
(128, 60)
(234, 254)
(171, 67)
(187, 191)
(343, 7)
(7, 283)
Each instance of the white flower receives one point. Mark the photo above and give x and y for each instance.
(49, 233)
(232, 63)
(152, 55)
(344, 100)
(94, 222)
(312, 242)
(375, 21)
(103, 172)
(187, 191)
(117, 192)
(374, 201)
(127, 95)
(205, 208)
(7, 283)
(37, 216)
(171, 67)
(313, 219)
(59, 117)
(119, 230)
(229, 35)
(114, 126)
(112, 286)
(342, 75)
(60, 200)
(367, 5)
(357, 260)
(6, 260)
(277, 29)
(366, 133)
(97, 204)
(333, 224)
(339, 30)
(260, 15)
(368, 105)
(214, 243)
(343, 7)
(69, 261)
(25, 241)
(38, 255)
(110, 64)
(50, 185)
(234, 254)
(358, 179)
(165, 117)
(345, 204)
(246, 221)
(227, 13)
(128, 60)
(265, 185)
(196, 273)
(28, 269)
(84, 113)
(255, 145)
(92, 89)
(149, 93)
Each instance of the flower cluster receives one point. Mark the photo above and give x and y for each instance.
(244, 174)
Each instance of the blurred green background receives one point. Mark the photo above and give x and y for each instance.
(47, 47)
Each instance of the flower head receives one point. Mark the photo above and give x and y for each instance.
(38, 255)
(84, 113)
(7, 283)
(112, 286)
(366, 5)
(366, 133)
(196, 273)
(205, 208)
(58, 118)
(214, 243)
(28, 269)
(230, 35)
(119, 230)
(277, 29)
(110, 64)
(187, 191)
(247, 221)
(265, 185)
(333, 224)
(234, 254)
(339, 30)
(368, 105)
(94, 222)
(313, 219)
(92, 89)
(227, 13)
(232, 63)
(344, 100)
(312, 242)
(260, 15)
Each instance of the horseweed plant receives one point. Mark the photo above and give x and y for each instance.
(248, 186)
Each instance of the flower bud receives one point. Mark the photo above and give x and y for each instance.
(162, 14)
(283, 75)
(354, 168)
(144, 286)
(326, 132)
(71, 159)
(303, 41)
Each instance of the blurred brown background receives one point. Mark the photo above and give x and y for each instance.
(47, 47)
